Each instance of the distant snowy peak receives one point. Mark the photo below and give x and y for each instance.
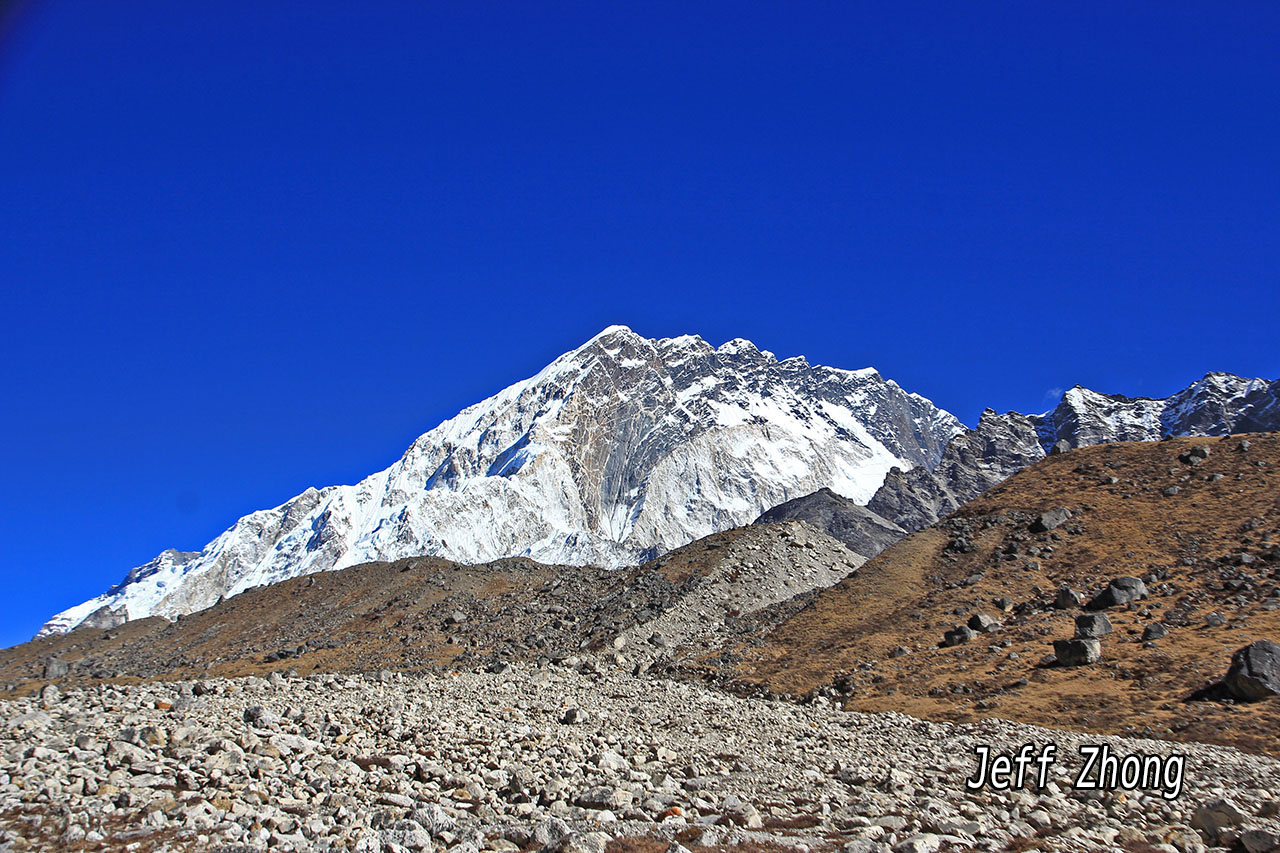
(622, 448)
(1002, 445)
(1218, 404)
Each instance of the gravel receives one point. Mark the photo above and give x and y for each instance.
(496, 761)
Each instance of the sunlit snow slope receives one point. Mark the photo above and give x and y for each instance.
(623, 448)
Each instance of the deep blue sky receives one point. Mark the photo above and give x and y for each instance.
(249, 247)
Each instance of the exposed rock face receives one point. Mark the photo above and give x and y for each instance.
(863, 531)
(1002, 445)
(105, 617)
(1260, 409)
(981, 458)
(627, 447)
(1218, 404)
(617, 451)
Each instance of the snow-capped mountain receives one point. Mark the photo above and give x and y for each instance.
(623, 448)
(1002, 445)
(1218, 404)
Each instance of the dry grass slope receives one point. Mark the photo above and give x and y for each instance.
(1206, 534)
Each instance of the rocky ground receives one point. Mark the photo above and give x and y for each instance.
(551, 758)
(567, 709)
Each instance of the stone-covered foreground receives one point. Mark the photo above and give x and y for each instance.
(551, 758)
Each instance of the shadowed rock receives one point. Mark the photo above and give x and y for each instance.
(862, 530)
(1255, 672)
(1119, 591)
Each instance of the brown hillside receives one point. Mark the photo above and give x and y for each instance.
(426, 613)
(378, 615)
(1204, 535)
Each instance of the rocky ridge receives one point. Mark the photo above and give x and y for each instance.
(1001, 445)
(862, 530)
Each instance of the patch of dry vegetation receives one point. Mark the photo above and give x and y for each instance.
(1126, 521)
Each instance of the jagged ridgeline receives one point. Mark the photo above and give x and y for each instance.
(617, 451)
(1002, 445)
(627, 447)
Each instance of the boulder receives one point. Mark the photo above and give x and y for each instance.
(574, 716)
(435, 819)
(1194, 455)
(924, 842)
(738, 811)
(1060, 447)
(1050, 520)
(1119, 591)
(1215, 816)
(957, 635)
(408, 834)
(260, 717)
(1090, 626)
(983, 623)
(54, 668)
(1154, 631)
(605, 797)
(1259, 841)
(551, 831)
(1077, 652)
(1255, 672)
(1067, 599)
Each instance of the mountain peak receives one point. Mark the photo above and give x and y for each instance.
(618, 450)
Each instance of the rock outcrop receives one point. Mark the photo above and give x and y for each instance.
(861, 530)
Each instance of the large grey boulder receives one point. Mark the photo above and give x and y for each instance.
(1259, 841)
(1215, 816)
(1092, 626)
(1119, 591)
(1050, 520)
(1255, 672)
(551, 831)
(1067, 599)
(984, 623)
(1077, 652)
(54, 668)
